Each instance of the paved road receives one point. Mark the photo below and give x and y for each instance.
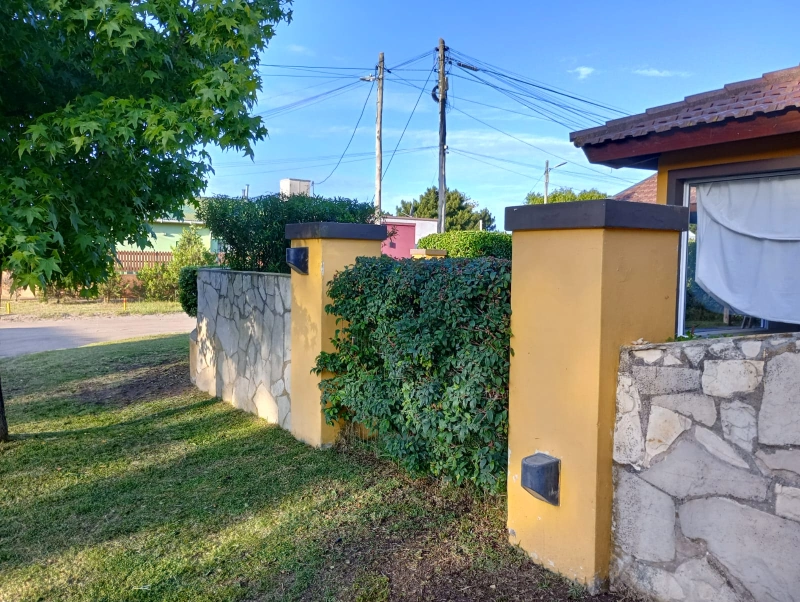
(19, 338)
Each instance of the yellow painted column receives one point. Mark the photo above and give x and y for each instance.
(587, 278)
(330, 248)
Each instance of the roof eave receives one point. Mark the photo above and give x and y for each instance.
(643, 151)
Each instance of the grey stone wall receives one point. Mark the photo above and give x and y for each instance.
(707, 470)
(243, 346)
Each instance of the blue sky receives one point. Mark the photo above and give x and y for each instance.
(629, 55)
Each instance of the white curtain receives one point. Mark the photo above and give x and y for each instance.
(748, 245)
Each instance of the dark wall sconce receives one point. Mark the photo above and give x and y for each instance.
(297, 258)
(541, 477)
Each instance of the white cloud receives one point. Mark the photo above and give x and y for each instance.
(650, 72)
(298, 49)
(582, 72)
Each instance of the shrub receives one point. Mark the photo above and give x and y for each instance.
(187, 290)
(252, 232)
(113, 287)
(158, 282)
(422, 359)
(469, 243)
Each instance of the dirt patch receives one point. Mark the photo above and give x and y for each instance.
(136, 386)
(435, 558)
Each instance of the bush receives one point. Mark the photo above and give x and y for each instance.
(113, 287)
(158, 282)
(252, 232)
(469, 243)
(422, 359)
(187, 290)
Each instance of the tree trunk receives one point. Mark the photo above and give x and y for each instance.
(3, 421)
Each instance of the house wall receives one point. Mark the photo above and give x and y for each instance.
(399, 246)
(242, 346)
(166, 235)
(707, 470)
(718, 154)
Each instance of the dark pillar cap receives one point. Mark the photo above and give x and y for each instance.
(605, 213)
(336, 230)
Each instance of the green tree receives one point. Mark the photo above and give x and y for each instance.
(160, 281)
(462, 213)
(565, 195)
(106, 109)
(190, 250)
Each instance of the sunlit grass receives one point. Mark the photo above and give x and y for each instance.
(123, 482)
(74, 308)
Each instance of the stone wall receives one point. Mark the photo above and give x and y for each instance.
(243, 341)
(707, 470)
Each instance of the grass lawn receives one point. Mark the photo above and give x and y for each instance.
(72, 309)
(123, 482)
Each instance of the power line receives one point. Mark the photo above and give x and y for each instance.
(536, 147)
(462, 153)
(422, 91)
(311, 100)
(353, 158)
(319, 67)
(355, 129)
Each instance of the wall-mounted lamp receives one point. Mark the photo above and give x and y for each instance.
(541, 477)
(297, 258)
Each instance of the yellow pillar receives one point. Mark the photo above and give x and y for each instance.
(331, 247)
(587, 278)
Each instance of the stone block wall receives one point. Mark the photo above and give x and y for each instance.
(707, 470)
(243, 341)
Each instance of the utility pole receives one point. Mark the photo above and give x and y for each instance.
(547, 171)
(379, 138)
(442, 137)
(546, 179)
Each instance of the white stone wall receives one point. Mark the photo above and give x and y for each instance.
(707, 470)
(244, 341)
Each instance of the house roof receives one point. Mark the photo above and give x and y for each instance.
(771, 95)
(643, 192)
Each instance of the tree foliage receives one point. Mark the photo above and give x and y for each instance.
(106, 107)
(252, 233)
(565, 195)
(461, 212)
(422, 359)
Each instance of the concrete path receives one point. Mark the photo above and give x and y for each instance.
(19, 338)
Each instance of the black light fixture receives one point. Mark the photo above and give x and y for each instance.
(541, 477)
(297, 258)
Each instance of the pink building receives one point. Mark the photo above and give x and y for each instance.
(407, 232)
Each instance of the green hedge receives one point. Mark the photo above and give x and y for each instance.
(251, 232)
(187, 290)
(422, 360)
(469, 243)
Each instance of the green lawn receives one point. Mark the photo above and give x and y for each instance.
(123, 482)
(33, 309)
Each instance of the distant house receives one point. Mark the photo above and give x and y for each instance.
(646, 191)
(166, 233)
(406, 232)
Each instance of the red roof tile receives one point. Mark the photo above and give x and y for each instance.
(643, 192)
(772, 93)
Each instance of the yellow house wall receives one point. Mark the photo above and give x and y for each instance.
(312, 330)
(576, 297)
(718, 154)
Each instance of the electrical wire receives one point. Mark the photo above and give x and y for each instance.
(537, 147)
(370, 157)
(422, 91)
(355, 129)
(311, 100)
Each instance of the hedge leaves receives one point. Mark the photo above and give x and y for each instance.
(422, 359)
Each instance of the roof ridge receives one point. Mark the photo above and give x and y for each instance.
(702, 108)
